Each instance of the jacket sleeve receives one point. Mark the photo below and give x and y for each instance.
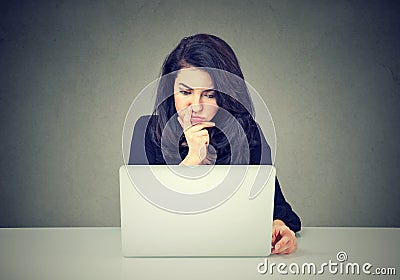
(283, 211)
(140, 153)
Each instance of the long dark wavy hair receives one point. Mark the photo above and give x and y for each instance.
(208, 52)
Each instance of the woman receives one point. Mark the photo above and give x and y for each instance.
(204, 115)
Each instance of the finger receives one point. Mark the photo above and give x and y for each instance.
(286, 231)
(204, 139)
(284, 252)
(277, 233)
(184, 118)
(197, 137)
(187, 115)
(279, 246)
(199, 133)
(282, 244)
(199, 126)
(279, 251)
(203, 152)
(286, 245)
(288, 242)
(283, 241)
(208, 124)
(294, 247)
(290, 249)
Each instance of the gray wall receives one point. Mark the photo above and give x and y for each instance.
(328, 70)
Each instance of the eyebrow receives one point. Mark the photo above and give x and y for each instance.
(189, 88)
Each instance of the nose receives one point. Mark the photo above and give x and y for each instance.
(196, 103)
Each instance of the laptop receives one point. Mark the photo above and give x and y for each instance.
(200, 211)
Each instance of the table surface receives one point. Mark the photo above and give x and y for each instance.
(95, 253)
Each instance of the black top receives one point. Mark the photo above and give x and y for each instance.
(144, 151)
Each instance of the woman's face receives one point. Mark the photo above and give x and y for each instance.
(194, 94)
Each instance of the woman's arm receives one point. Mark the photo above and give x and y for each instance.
(285, 220)
(285, 224)
(142, 152)
(283, 211)
(261, 154)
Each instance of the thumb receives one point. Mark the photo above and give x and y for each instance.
(273, 238)
(275, 234)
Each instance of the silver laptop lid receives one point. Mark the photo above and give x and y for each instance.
(220, 210)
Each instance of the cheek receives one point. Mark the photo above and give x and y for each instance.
(212, 110)
(179, 103)
(215, 110)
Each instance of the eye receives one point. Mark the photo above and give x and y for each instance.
(209, 95)
(185, 92)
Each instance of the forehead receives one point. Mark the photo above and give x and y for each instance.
(194, 78)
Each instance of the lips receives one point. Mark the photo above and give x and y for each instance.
(195, 119)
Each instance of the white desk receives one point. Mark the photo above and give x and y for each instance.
(94, 253)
